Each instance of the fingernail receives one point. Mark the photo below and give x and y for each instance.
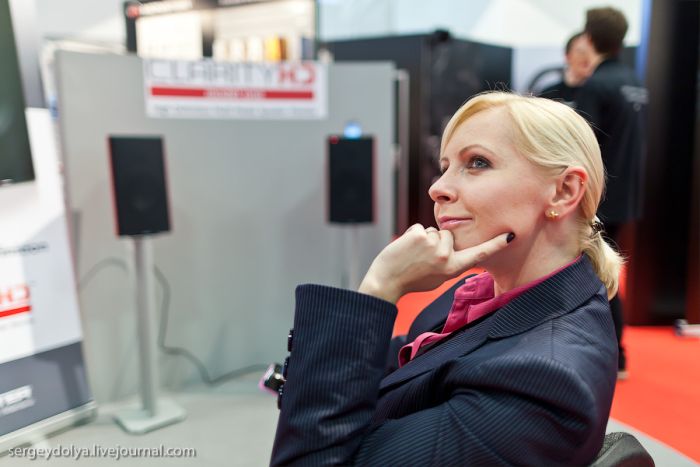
(510, 237)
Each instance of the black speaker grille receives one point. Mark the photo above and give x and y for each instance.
(138, 179)
(351, 189)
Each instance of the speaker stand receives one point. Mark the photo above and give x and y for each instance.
(352, 241)
(153, 413)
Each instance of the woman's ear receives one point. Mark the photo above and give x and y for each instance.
(571, 185)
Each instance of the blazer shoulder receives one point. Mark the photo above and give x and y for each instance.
(589, 325)
(581, 341)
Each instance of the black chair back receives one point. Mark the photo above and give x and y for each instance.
(622, 450)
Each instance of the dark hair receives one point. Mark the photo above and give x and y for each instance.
(571, 40)
(607, 28)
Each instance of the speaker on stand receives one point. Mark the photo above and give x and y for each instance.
(141, 211)
(351, 192)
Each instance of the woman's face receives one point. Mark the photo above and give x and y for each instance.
(487, 187)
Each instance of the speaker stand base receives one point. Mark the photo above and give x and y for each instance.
(137, 420)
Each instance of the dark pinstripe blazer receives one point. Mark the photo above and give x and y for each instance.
(531, 384)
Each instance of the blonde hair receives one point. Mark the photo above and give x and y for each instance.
(553, 137)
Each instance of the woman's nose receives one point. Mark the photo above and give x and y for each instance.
(441, 191)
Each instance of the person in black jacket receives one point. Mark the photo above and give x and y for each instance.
(578, 53)
(613, 100)
(521, 368)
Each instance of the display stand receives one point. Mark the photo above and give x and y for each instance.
(353, 253)
(154, 412)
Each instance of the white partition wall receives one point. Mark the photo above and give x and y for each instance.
(248, 214)
(43, 382)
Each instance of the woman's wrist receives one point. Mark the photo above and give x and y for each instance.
(371, 286)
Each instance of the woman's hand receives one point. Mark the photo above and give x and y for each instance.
(422, 259)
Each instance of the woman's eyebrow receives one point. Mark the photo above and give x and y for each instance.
(468, 148)
(474, 146)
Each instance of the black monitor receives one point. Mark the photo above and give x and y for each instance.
(15, 154)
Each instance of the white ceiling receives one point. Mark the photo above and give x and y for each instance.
(515, 23)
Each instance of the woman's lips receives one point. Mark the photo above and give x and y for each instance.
(448, 223)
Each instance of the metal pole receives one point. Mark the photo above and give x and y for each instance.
(144, 306)
(154, 412)
(353, 257)
(403, 159)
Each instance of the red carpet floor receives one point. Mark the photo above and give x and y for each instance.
(661, 397)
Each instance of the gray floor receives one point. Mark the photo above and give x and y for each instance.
(230, 425)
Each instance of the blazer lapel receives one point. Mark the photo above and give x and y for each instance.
(558, 295)
(461, 343)
(554, 297)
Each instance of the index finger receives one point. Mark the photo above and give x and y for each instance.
(470, 257)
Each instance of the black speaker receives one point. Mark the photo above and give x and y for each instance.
(138, 183)
(351, 179)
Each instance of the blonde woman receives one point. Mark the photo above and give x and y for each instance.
(521, 368)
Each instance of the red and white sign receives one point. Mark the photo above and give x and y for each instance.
(223, 90)
(14, 300)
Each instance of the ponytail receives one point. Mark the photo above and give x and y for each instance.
(606, 261)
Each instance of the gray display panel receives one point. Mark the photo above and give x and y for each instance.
(248, 212)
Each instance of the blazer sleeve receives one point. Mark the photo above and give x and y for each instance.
(337, 359)
(392, 356)
(513, 410)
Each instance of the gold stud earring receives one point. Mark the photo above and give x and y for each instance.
(552, 214)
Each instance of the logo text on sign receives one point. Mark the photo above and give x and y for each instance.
(14, 300)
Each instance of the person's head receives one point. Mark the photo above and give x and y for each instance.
(526, 165)
(579, 59)
(605, 28)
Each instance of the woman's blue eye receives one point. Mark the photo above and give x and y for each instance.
(478, 163)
